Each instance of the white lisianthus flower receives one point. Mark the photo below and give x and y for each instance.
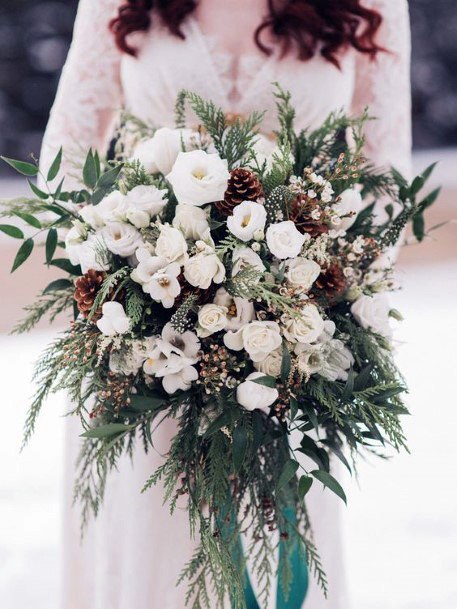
(305, 328)
(89, 254)
(212, 318)
(240, 311)
(191, 221)
(147, 267)
(199, 178)
(121, 239)
(247, 218)
(302, 273)
(350, 204)
(337, 359)
(258, 338)
(158, 154)
(171, 244)
(244, 257)
(284, 240)
(372, 313)
(164, 286)
(254, 396)
(113, 320)
(310, 360)
(110, 209)
(204, 268)
(271, 365)
(143, 203)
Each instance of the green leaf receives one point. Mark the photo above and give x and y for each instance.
(58, 284)
(265, 381)
(223, 420)
(36, 191)
(239, 446)
(329, 481)
(304, 485)
(349, 387)
(28, 218)
(12, 231)
(363, 378)
(90, 171)
(417, 185)
(385, 394)
(145, 402)
(428, 172)
(51, 244)
(108, 179)
(107, 431)
(288, 472)
(338, 453)
(419, 226)
(26, 169)
(65, 265)
(24, 252)
(430, 199)
(285, 363)
(55, 167)
(257, 429)
(309, 410)
(314, 452)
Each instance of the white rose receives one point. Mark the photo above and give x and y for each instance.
(302, 273)
(271, 365)
(305, 328)
(158, 154)
(121, 239)
(199, 178)
(244, 257)
(142, 203)
(254, 396)
(284, 240)
(114, 320)
(350, 204)
(212, 318)
(240, 311)
(310, 360)
(203, 268)
(171, 244)
(191, 221)
(247, 218)
(258, 338)
(372, 313)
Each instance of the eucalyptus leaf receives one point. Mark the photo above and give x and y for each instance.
(107, 431)
(28, 218)
(288, 472)
(55, 166)
(26, 169)
(57, 285)
(65, 265)
(266, 381)
(239, 446)
(304, 484)
(146, 403)
(90, 171)
(12, 231)
(51, 244)
(329, 481)
(23, 253)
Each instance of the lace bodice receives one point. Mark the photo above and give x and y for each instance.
(98, 81)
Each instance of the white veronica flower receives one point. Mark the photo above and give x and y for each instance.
(171, 244)
(203, 268)
(350, 204)
(240, 311)
(258, 338)
(284, 240)
(198, 178)
(244, 257)
(143, 203)
(247, 218)
(372, 313)
(114, 320)
(211, 318)
(191, 221)
(158, 154)
(254, 396)
(306, 328)
(271, 365)
(164, 286)
(121, 239)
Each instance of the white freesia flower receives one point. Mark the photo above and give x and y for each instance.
(89, 254)
(171, 244)
(305, 328)
(284, 240)
(211, 318)
(337, 359)
(191, 221)
(113, 320)
(121, 239)
(254, 396)
(258, 338)
(247, 218)
(199, 178)
(203, 268)
(350, 204)
(240, 311)
(143, 203)
(244, 257)
(164, 286)
(158, 154)
(271, 365)
(302, 273)
(372, 313)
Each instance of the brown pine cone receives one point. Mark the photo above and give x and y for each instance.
(300, 214)
(244, 185)
(203, 296)
(331, 283)
(87, 288)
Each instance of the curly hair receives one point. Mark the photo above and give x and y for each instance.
(304, 26)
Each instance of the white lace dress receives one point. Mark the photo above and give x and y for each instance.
(133, 552)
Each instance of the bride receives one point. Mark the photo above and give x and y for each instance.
(329, 54)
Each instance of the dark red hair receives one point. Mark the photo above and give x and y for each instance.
(304, 26)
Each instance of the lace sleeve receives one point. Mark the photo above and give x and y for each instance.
(89, 92)
(383, 85)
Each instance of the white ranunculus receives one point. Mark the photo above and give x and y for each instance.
(212, 318)
(191, 221)
(254, 396)
(258, 338)
(158, 154)
(247, 218)
(305, 328)
(199, 178)
(240, 311)
(89, 254)
(244, 257)
(350, 204)
(171, 244)
(302, 273)
(204, 268)
(271, 365)
(113, 320)
(143, 203)
(284, 240)
(121, 239)
(372, 313)
(164, 286)
(337, 361)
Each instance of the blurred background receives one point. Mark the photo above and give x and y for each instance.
(401, 525)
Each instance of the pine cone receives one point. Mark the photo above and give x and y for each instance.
(244, 185)
(203, 296)
(300, 214)
(331, 283)
(87, 288)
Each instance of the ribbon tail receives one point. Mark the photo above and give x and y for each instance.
(293, 551)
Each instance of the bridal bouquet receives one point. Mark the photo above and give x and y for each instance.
(236, 284)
